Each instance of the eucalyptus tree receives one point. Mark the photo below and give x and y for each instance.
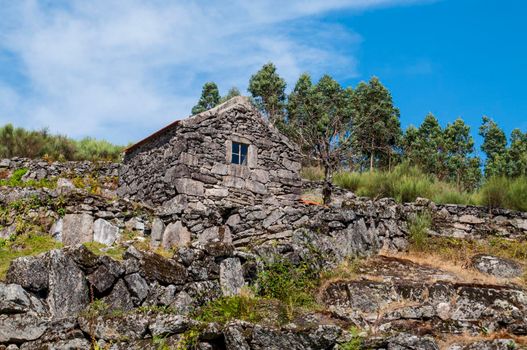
(210, 98)
(268, 91)
(495, 148)
(319, 119)
(376, 127)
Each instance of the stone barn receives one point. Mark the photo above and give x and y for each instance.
(227, 156)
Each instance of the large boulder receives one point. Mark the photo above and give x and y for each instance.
(176, 234)
(30, 272)
(21, 328)
(77, 228)
(497, 267)
(14, 300)
(105, 232)
(68, 290)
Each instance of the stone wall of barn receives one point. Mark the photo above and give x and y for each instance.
(188, 165)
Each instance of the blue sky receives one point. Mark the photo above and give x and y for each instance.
(121, 69)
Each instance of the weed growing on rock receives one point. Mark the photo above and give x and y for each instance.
(418, 229)
(189, 340)
(24, 245)
(115, 252)
(356, 341)
(160, 342)
(16, 181)
(292, 284)
(244, 307)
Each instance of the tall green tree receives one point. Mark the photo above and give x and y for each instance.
(517, 154)
(495, 147)
(297, 107)
(210, 98)
(320, 115)
(376, 126)
(424, 146)
(463, 167)
(268, 91)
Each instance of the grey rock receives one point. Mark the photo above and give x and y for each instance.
(119, 298)
(158, 228)
(30, 272)
(77, 228)
(101, 279)
(231, 276)
(130, 326)
(64, 186)
(216, 234)
(498, 267)
(175, 205)
(404, 341)
(175, 235)
(56, 230)
(14, 300)
(21, 328)
(104, 232)
(137, 286)
(189, 187)
(165, 325)
(234, 338)
(68, 289)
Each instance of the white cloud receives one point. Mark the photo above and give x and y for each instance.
(120, 69)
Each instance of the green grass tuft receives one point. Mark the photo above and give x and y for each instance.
(115, 252)
(23, 245)
(418, 229)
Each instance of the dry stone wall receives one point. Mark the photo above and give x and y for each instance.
(189, 163)
(39, 169)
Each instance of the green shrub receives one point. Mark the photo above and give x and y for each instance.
(376, 185)
(517, 194)
(407, 189)
(347, 180)
(19, 142)
(222, 310)
(289, 283)
(493, 194)
(356, 340)
(418, 229)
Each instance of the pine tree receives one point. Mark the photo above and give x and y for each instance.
(210, 98)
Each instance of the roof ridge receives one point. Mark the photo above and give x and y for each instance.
(233, 102)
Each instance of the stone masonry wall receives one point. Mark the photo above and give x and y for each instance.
(39, 169)
(189, 163)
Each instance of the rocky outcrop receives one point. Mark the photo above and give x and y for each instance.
(497, 267)
(403, 297)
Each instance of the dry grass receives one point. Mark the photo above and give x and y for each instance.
(458, 268)
(446, 343)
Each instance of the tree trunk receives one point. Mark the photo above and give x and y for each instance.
(371, 156)
(326, 191)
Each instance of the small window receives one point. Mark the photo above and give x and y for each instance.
(239, 153)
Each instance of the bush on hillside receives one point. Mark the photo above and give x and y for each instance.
(19, 142)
